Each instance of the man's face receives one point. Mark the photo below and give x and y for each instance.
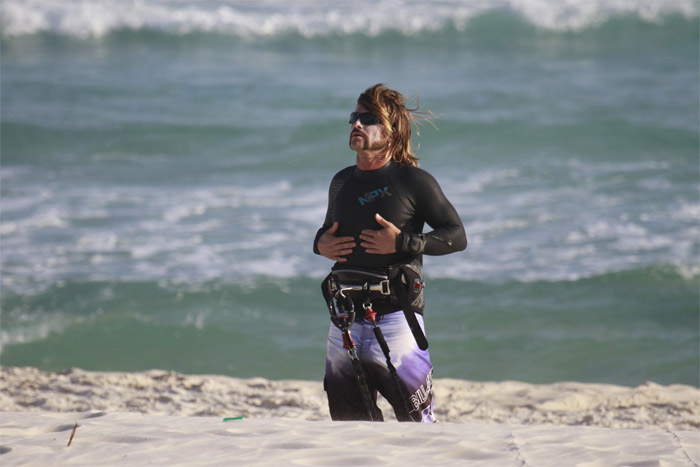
(367, 137)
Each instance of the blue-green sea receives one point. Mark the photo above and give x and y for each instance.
(165, 165)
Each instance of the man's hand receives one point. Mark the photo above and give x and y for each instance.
(333, 247)
(380, 242)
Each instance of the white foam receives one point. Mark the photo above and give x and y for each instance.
(477, 182)
(263, 227)
(275, 264)
(310, 18)
(577, 14)
(32, 326)
(44, 217)
(688, 212)
(101, 241)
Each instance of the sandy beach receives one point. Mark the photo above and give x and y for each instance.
(165, 418)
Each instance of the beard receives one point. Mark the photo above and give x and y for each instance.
(363, 144)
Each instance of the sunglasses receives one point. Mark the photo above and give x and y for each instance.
(365, 118)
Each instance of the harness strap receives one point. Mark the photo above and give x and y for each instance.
(408, 285)
(343, 316)
(371, 315)
(411, 319)
(372, 410)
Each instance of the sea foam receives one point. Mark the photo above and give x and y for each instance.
(310, 18)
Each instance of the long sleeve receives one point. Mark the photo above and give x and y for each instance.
(447, 236)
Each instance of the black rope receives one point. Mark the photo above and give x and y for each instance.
(371, 315)
(372, 411)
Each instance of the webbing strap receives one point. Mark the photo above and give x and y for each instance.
(410, 315)
(371, 315)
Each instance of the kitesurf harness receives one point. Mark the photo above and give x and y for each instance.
(341, 289)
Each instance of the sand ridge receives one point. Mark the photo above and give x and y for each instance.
(169, 393)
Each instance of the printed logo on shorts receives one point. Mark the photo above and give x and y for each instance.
(374, 195)
(424, 393)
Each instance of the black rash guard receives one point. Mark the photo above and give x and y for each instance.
(406, 196)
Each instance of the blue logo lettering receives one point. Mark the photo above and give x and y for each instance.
(374, 195)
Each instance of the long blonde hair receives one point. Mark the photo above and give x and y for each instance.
(390, 107)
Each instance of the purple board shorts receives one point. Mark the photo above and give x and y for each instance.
(412, 365)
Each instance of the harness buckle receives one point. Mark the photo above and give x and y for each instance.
(385, 289)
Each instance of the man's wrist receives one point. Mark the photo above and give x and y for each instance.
(399, 242)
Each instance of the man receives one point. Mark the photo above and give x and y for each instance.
(376, 213)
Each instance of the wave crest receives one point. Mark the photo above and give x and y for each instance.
(311, 18)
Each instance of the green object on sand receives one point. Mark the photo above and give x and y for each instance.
(228, 419)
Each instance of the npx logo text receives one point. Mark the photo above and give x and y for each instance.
(374, 195)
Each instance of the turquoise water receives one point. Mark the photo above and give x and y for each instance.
(165, 167)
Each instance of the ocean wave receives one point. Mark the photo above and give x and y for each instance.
(241, 231)
(313, 18)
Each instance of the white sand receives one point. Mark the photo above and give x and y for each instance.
(147, 418)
